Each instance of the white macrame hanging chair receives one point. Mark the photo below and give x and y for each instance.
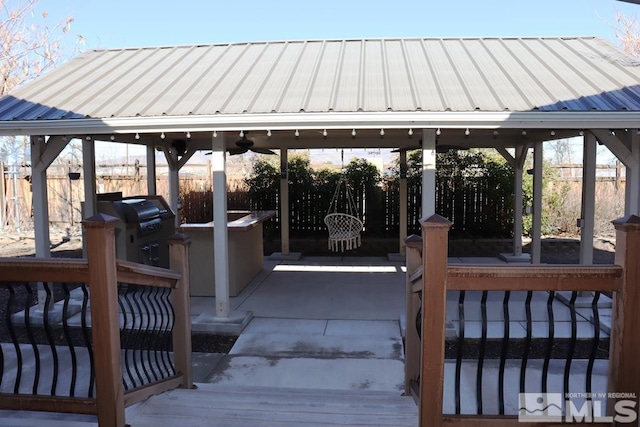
(344, 227)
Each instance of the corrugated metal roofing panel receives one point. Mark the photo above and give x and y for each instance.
(485, 74)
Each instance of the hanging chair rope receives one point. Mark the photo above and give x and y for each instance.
(344, 227)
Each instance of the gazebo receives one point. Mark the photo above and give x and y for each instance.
(512, 94)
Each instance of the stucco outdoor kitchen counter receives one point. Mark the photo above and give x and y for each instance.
(246, 258)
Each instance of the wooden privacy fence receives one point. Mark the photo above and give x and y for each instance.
(428, 351)
(134, 332)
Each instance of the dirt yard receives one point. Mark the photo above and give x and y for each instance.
(67, 242)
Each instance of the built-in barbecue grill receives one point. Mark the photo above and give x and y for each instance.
(144, 225)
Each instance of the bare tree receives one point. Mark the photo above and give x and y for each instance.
(628, 33)
(30, 45)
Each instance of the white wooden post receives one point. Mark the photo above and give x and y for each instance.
(151, 170)
(632, 183)
(220, 237)
(403, 201)
(284, 201)
(536, 244)
(588, 199)
(40, 198)
(89, 178)
(521, 154)
(3, 206)
(428, 172)
(174, 185)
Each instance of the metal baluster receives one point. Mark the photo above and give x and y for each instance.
(142, 341)
(572, 341)
(481, 351)
(14, 339)
(527, 342)
(153, 334)
(32, 339)
(594, 345)
(86, 333)
(125, 343)
(50, 339)
(504, 351)
(460, 348)
(67, 336)
(133, 331)
(547, 356)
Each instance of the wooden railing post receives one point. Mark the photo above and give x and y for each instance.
(179, 261)
(413, 245)
(105, 327)
(435, 245)
(624, 344)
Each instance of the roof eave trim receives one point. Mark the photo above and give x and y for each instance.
(333, 120)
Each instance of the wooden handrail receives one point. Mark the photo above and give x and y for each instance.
(43, 270)
(530, 278)
(146, 275)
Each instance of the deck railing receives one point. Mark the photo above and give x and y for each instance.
(517, 365)
(105, 334)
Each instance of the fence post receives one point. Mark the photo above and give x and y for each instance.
(435, 231)
(180, 297)
(413, 245)
(105, 326)
(624, 345)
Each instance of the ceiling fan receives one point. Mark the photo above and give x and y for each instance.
(243, 145)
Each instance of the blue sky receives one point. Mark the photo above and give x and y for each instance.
(134, 23)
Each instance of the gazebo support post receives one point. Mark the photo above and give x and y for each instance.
(632, 185)
(403, 201)
(517, 162)
(428, 172)
(536, 232)
(284, 201)
(89, 178)
(586, 222)
(220, 238)
(151, 170)
(42, 155)
(174, 183)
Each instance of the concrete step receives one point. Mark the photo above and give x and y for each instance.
(215, 405)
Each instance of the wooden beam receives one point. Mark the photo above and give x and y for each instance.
(538, 278)
(617, 146)
(69, 405)
(44, 270)
(507, 156)
(139, 394)
(185, 158)
(50, 150)
(146, 275)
